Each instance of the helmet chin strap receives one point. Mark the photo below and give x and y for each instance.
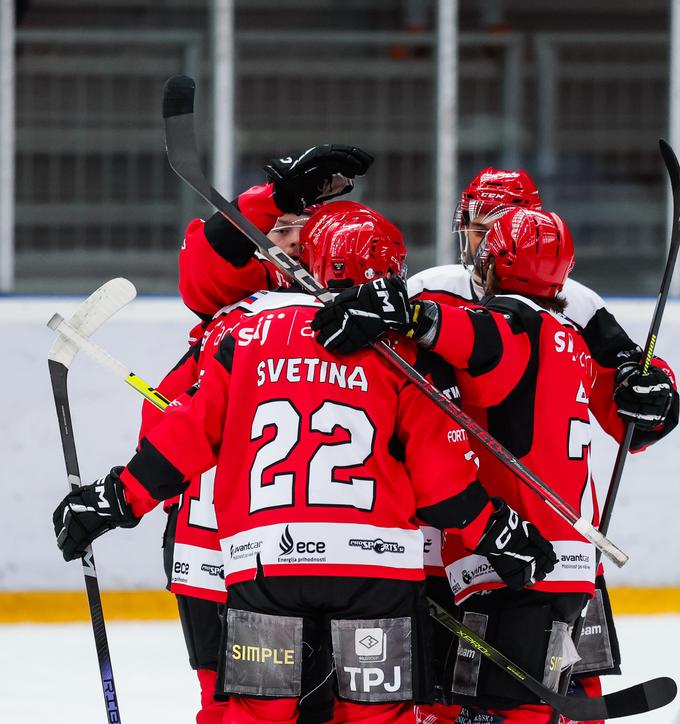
(477, 284)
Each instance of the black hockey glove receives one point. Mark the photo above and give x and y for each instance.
(360, 315)
(89, 512)
(321, 173)
(643, 399)
(519, 554)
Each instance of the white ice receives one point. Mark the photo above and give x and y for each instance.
(48, 673)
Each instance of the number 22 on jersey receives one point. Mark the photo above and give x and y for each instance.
(322, 488)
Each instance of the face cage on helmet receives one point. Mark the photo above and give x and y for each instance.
(461, 222)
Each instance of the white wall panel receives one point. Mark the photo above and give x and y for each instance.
(150, 336)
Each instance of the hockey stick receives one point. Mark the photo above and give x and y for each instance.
(178, 108)
(92, 313)
(633, 700)
(673, 169)
(636, 699)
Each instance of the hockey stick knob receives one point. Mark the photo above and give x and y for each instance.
(178, 96)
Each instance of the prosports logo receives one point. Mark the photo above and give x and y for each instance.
(378, 545)
(213, 570)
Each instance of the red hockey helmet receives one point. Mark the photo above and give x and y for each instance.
(489, 195)
(346, 243)
(492, 188)
(533, 252)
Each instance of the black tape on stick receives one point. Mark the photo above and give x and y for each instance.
(178, 96)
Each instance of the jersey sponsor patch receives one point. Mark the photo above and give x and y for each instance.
(373, 659)
(468, 659)
(575, 563)
(263, 654)
(198, 567)
(594, 645)
(432, 546)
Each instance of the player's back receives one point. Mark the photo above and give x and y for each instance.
(542, 417)
(313, 471)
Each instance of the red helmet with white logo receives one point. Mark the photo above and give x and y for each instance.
(492, 188)
(533, 252)
(489, 195)
(346, 243)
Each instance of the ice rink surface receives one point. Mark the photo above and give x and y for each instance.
(48, 673)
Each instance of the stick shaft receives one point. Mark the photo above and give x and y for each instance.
(58, 377)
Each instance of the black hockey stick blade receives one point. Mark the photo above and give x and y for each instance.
(636, 699)
(648, 696)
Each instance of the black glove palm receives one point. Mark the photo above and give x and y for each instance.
(89, 512)
(644, 399)
(321, 173)
(360, 315)
(519, 554)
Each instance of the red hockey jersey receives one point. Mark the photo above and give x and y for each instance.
(322, 463)
(218, 265)
(527, 376)
(197, 568)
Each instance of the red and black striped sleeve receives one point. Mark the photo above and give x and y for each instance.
(490, 347)
(217, 262)
(186, 442)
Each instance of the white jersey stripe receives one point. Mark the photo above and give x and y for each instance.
(326, 543)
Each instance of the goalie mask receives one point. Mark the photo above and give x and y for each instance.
(346, 243)
(532, 251)
(489, 195)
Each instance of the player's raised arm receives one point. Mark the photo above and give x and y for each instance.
(219, 266)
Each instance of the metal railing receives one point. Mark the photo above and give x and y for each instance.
(93, 190)
(94, 195)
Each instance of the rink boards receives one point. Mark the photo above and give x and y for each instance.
(150, 336)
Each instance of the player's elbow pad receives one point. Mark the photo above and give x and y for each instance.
(230, 243)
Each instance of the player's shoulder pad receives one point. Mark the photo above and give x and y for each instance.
(268, 301)
(244, 304)
(582, 302)
(451, 279)
(523, 313)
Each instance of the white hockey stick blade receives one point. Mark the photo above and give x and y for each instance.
(100, 306)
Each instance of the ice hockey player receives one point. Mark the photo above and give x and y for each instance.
(322, 465)
(508, 354)
(218, 267)
(489, 195)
